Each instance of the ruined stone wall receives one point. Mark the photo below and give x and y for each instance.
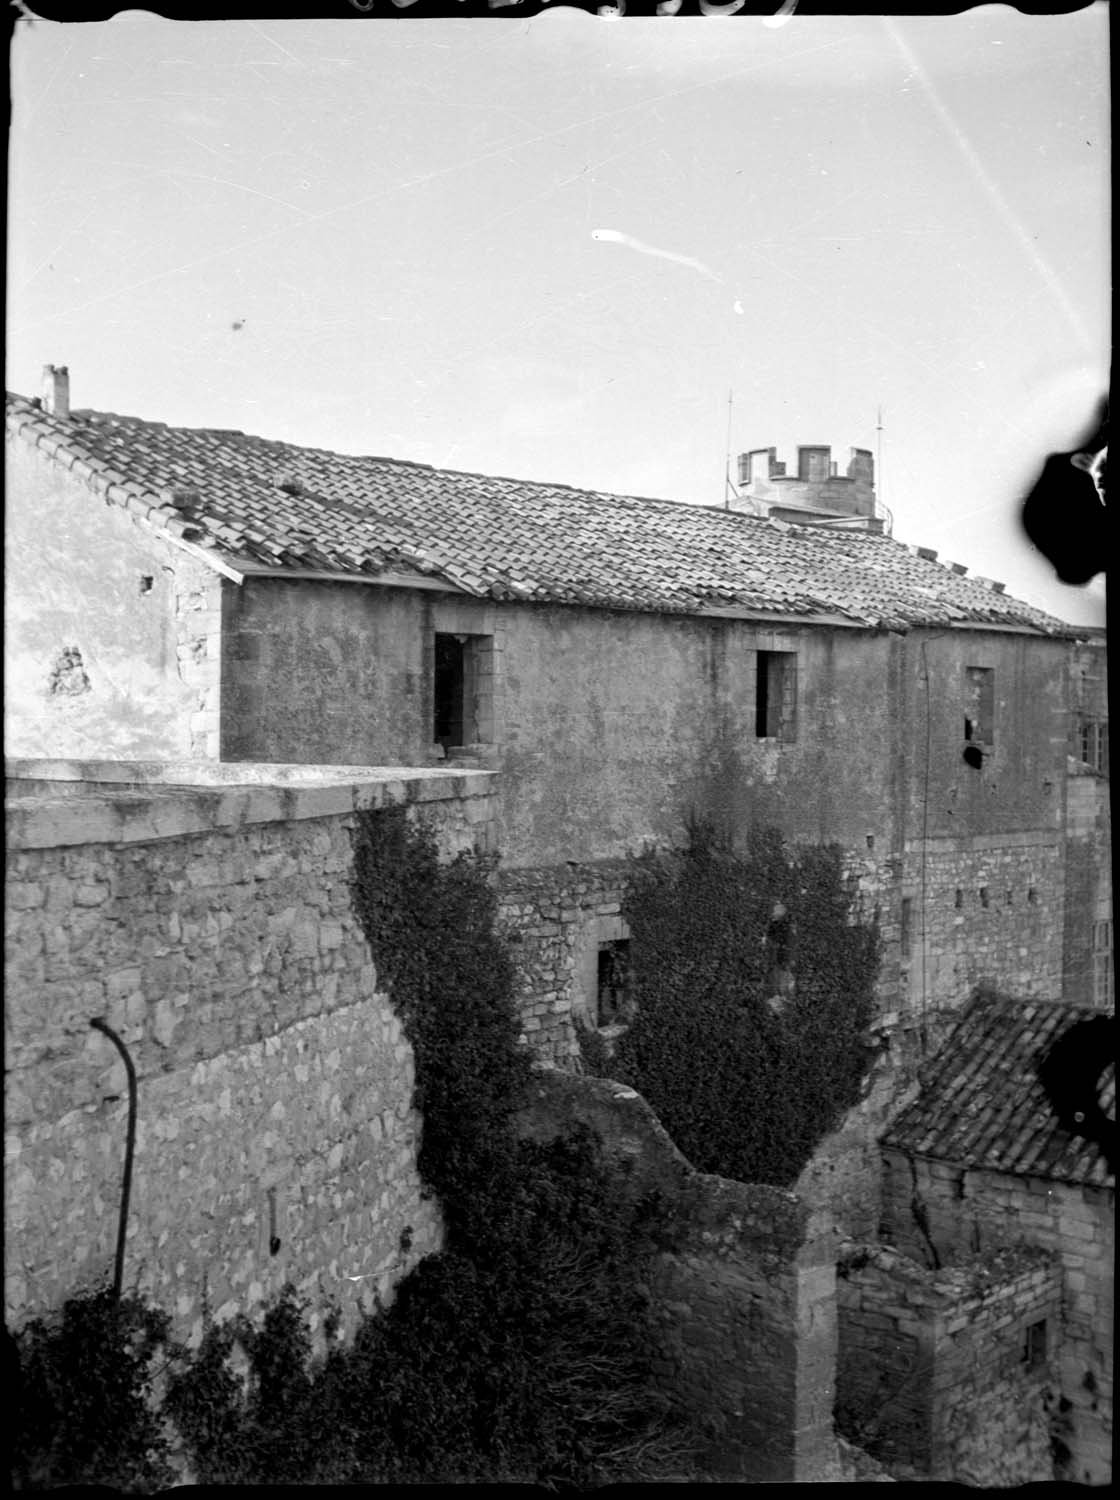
(935, 1371)
(213, 930)
(742, 1298)
(971, 1212)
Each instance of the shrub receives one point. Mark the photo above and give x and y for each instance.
(754, 991)
(83, 1406)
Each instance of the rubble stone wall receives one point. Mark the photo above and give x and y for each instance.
(212, 929)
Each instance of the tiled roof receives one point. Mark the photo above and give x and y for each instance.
(257, 502)
(983, 1106)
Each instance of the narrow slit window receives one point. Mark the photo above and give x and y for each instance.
(907, 927)
(1034, 1345)
(776, 695)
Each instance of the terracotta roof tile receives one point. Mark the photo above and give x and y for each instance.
(262, 502)
(983, 1106)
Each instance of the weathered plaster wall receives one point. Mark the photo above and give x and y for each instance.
(931, 1374)
(212, 929)
(979, 1212)
(323, 672)
(742, 1301)
(144, 682)
(1019, 786)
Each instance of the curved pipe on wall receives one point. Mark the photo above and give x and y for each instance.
(130, 1142)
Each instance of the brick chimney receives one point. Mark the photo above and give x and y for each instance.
(56, 390)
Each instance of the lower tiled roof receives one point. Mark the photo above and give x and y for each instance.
(982, 1103)
(255, 502)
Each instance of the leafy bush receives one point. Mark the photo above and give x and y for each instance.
(81, 1386)
(754, 992)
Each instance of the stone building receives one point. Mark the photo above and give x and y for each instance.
(622, 663)
(574, 675)
(980, 1162)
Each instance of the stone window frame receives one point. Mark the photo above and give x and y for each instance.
(1036, 1339)
(1091, 743)
(1102, 962)
(776, 694)
(483, 638)
(600, 932)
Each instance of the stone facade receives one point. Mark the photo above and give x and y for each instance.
(948, 1375)
(968, 1212)
(212, 929)
(556, 921)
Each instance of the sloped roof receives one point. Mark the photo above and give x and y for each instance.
(983, 1106)
(256, 502)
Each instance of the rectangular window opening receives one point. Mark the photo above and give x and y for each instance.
(462, 691)
(980, 705)
(907, 927)
(614, 1004)
(1034, 1345)
(1092, 744)
(1102, 963)
(775, 715)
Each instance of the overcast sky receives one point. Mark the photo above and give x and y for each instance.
(551, 248)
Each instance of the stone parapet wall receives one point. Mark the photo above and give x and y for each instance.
(934, 1372)
(212, 929)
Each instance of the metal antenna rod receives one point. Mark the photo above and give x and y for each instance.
(728, 488)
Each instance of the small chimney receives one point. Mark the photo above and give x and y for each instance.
(56, 390)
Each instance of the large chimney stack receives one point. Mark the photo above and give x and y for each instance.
(56, 390)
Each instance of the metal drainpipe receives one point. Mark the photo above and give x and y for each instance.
(126, 1187)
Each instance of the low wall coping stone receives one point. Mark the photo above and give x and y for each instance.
(50, 804)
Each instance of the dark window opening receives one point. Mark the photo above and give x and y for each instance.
(1034, 1345)
(958, 899)
(775, 716)
(906, 926)
(614, 1004)
(462, 690)
(979, 706)
(146, 582)
(449, 684)
(984, 896)
(1032, 896)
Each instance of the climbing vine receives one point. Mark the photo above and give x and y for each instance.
(754, 990)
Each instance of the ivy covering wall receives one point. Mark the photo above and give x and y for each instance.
(753, 985)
